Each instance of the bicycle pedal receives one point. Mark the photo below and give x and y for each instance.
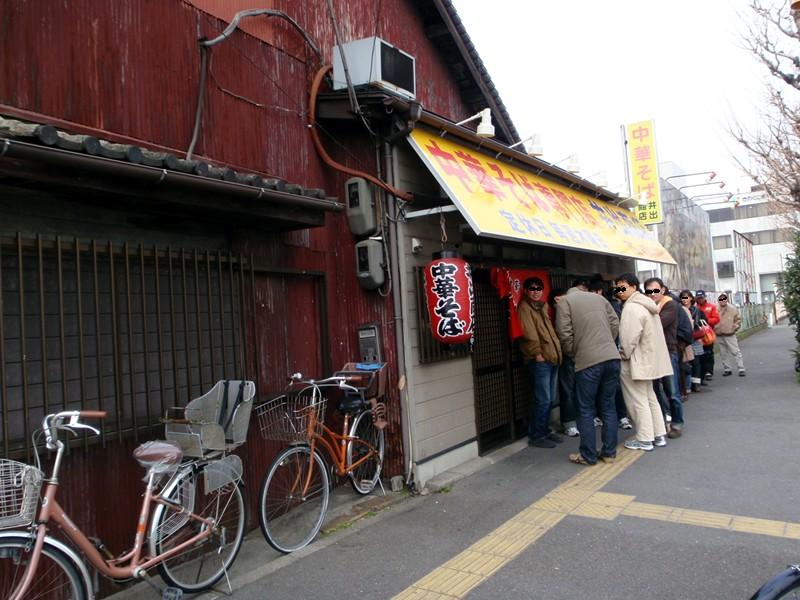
(172, 593)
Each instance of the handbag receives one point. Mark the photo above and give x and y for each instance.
(709, 337)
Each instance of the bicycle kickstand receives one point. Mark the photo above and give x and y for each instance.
(383, 489)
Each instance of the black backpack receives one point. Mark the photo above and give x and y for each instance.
(684, 331)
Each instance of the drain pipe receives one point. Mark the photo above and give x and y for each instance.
(397, 297)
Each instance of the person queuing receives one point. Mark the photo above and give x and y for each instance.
(566, 378)
(541, 352)
(711, 316)
(688, 301)
(685, 347)
(667, 389)
(729, 323)
(587, 326)
(598, 287)
(645, 358)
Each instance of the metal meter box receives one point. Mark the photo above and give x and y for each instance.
(369, 264)
(369, 343)
(360, 206)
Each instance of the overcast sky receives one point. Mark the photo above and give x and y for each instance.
(575, 70)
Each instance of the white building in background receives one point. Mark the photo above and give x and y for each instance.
(751, 215)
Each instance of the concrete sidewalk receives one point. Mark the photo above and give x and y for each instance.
(347, 512)
(736, 446)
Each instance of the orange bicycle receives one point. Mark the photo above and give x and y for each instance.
(294, 494)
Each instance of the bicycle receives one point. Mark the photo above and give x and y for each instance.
(194, 521)
(293, 499)
(783, 586)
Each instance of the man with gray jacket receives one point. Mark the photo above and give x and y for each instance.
(587, 325)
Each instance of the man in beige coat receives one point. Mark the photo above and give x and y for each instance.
(644, 358)
(729, 323)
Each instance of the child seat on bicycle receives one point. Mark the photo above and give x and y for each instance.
(216, 421)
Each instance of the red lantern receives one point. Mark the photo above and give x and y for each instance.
(448, 287)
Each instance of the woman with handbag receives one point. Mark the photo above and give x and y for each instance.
(710, 314)
(687, 300)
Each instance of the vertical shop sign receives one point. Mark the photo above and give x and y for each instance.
(640, 144)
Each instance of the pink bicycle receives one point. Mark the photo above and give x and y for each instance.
(190, 526)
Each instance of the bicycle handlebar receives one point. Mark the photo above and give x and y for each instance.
(338, 380)
(55, 421)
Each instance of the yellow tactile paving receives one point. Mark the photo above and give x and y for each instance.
(603, 506)
(579, 496)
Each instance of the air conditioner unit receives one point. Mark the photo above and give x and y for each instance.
(371, 61)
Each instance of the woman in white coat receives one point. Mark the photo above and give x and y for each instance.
(644, 354)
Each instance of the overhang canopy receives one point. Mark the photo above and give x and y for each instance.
(507, 201)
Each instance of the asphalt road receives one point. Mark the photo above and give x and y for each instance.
(737, 461)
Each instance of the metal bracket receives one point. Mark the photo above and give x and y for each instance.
(430, 211)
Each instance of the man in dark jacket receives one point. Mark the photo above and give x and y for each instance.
(667, 389)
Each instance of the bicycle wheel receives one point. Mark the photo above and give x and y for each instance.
(200, 565)
(291, 512)
(56, 577)
(365, 476)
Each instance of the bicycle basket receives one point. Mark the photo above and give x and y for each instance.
(292, 417)
(20, 485)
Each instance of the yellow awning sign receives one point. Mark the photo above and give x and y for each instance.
(505, 201)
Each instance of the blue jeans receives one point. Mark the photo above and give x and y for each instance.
(597, 385)
(566, 391)
(677, 401)
(543, 377)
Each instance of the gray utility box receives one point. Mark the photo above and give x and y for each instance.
(360, 206)
(369, 264)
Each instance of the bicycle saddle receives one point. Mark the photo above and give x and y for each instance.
(158, 455)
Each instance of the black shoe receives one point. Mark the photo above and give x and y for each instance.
(541, 443)
(742, 373)
(554, 437)
(727, 373)
(708, 376)
(695, 387)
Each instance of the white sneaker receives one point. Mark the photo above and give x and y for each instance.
(571, 432)
(634, 444)
(625, 423)
(668, 419)
(660, 441)
(598, 422)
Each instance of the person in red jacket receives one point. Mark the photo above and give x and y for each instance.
(711, 315)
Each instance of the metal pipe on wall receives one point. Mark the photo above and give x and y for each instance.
(394, 265)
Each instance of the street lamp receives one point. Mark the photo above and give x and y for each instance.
(711, 174)
(728, 196)
(683, 187)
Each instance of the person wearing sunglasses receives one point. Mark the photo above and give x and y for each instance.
(688, 301)
(667, 388)
(644, 359)
(541, 352)
(730, 321)
(587, 326)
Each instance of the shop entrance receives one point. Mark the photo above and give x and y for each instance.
(502, 398)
